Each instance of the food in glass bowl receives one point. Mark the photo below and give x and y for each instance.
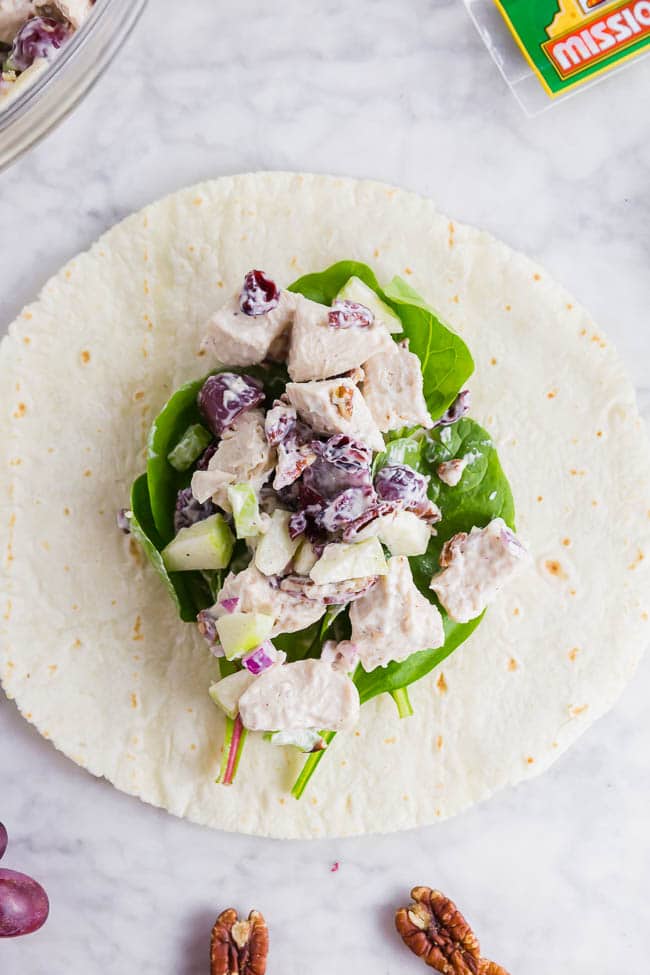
(31, 36)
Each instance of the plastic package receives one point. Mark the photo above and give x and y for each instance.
(548, 49)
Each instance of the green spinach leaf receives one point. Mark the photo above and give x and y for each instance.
(189, 590)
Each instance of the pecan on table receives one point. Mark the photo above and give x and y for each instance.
(239, 947)
(435, 930)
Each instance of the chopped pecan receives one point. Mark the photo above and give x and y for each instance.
(451, 548)
(342, 398)
(239, 947)
(435, 930)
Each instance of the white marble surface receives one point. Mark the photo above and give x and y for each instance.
(554, 873)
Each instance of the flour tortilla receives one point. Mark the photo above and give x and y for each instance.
(92, 650)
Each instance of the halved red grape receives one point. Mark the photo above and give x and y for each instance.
(204, 460)
(24, 906)
(350, 314)
(4, 839)
(346, 453)
(188, 510)
(458, 409)
(224, 397)
(345, 509)
(39, 37)
(342, 463)
(280, 421)
(259, 295)
(399, 482)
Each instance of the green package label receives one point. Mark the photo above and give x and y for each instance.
(568, 42)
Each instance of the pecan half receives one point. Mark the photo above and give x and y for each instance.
(342, 397)
(435, 930)
(239, 947)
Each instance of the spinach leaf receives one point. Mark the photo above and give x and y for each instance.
(189, 590)
(483, 493)
(445, 359)
(404, 450)
(165, 481)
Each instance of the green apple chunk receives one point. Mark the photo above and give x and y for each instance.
(190, 447)
(305, 559)
(245, 510)
(405, 534)
(206, 545)
(227, 692)
(276, 547)
(355, 290)
(241, 632)
(341, 561)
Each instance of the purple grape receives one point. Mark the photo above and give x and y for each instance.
(226, 396)
(24, 906)
(399, 482)
(205, 458)
(350, 314)
(458, 409)
(4, 840)
(297, 524)
(279, 423)
(346, 453)
(259, 295)
(207, 627)
(39, 37)
(346, 508)
(342, 463)
(188, 510)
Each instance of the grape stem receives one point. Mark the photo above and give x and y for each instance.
(401, 698)
(233, 747)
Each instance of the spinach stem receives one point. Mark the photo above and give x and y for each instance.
(401, 698)
(311, 765)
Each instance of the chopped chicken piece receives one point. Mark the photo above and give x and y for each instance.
(335, 406)
(303, 694)
(475, 567)
(394, 619)
(318, 350)
(243, 455)
(451, 471)
(257, 593)
(75, 11)
(236, 339)
(393, 389)
(13, 15)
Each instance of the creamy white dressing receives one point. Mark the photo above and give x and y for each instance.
(478, 565)
(236, 339)
(303, 694)
(394, 619)
(393, 389)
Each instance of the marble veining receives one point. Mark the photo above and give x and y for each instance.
(553, 873)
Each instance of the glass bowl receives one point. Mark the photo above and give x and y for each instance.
(54, 93)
